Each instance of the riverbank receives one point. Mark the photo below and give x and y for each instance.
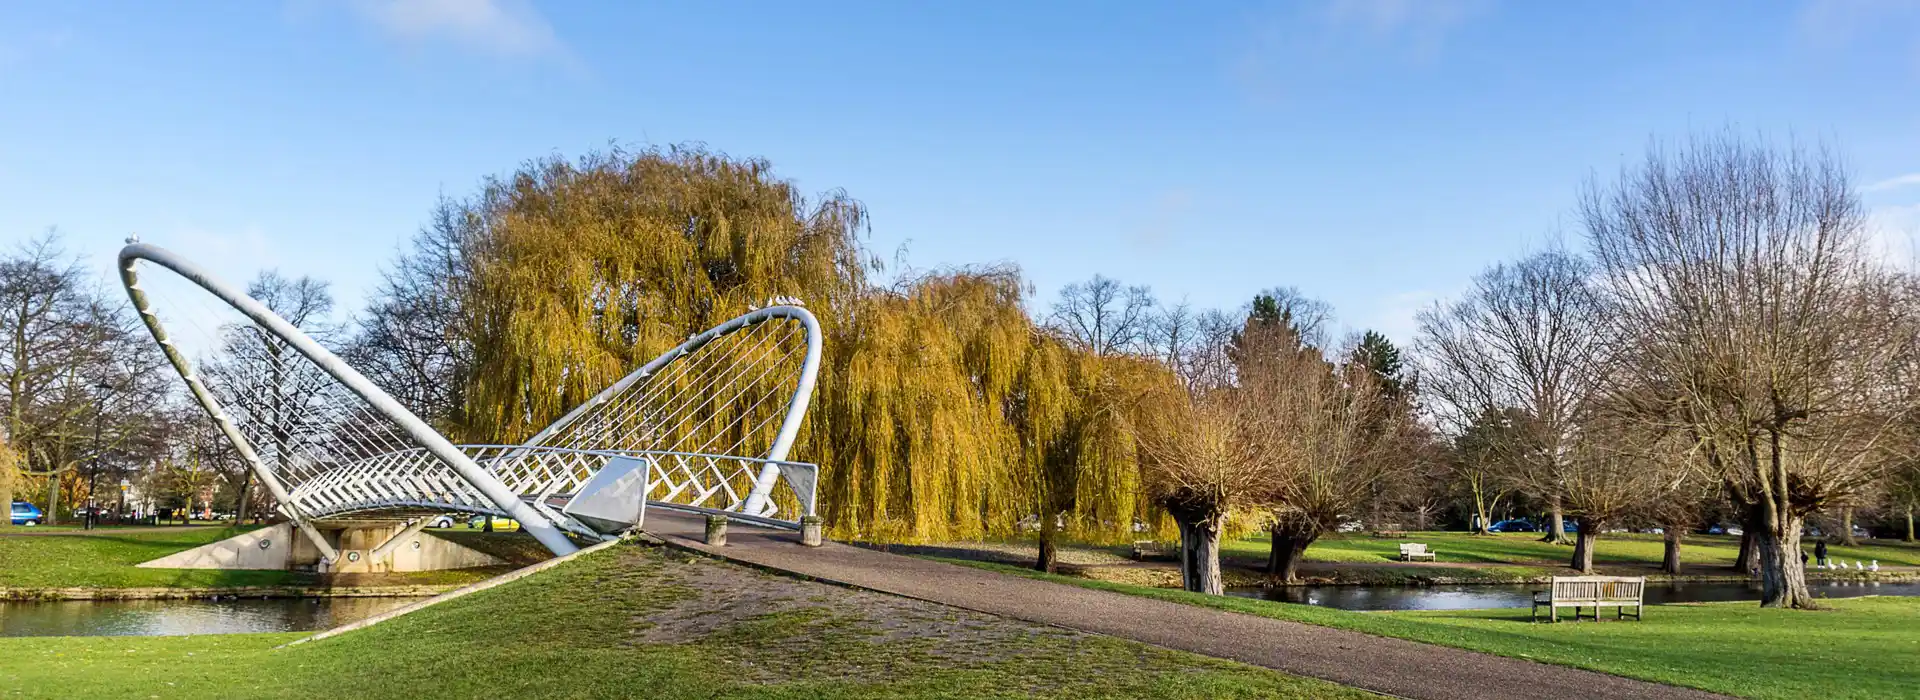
(1854, 648)
(103, 564)
(250, 592)
(1360, 559)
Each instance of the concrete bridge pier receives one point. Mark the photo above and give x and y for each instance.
(375, 546)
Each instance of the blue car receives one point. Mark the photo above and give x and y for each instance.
(26, 514)
(1513, 526)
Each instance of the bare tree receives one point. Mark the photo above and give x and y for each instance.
(1103, 316)
(1738, 270)
(411, 339)
(1173, 336)
(1616, 467)
(1478, 464)
(267, 380)
(1203, 460)
(1526, 341)
(1336, 437)
(77, 379)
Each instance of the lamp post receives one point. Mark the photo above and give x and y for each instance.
(93, 473)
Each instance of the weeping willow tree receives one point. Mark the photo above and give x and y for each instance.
(950, 415)
(942, 410)
(586, 269)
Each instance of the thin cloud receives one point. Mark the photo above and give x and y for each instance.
(512, 28)
(1895, 183)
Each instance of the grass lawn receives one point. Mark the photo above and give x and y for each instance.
(108, 559)
(1858, 648)
(637, 621)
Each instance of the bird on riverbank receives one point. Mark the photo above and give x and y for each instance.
(1875, 567)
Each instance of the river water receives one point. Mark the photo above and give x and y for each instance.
(180, 617)
(1470, 597)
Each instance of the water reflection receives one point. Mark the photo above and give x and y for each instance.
(1470, 597)
(182, 617)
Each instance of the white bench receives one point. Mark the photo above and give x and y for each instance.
(1148, 549)
(1413, 551)
(1592, 592)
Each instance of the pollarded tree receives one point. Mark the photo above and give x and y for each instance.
(1617, 467)
(1738, 270)
(1205, 460)
(1337, 436)
(1526, 341)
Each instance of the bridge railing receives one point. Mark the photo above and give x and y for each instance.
(548, 478)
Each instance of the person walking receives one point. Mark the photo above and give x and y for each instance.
(1820, 552)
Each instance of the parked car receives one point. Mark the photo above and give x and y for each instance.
(443, 520)
(1513, 526)
(498, 523)
(26, 514)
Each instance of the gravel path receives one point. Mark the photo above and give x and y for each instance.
(1391, 666)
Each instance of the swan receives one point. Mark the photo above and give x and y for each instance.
(1875, 567)
(1857, 566)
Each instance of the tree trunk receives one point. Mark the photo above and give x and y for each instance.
(1846, 527)
(1909, 537)
(1200, 555)
(1670, 561)
(1747, 562)
(1783, 576)
(7, 475)
(1557, 528)
(1482, 511)
(1283, 560)
(1583, 547)
(53, 500)
(240, 511)
(1049, 557)
(489, 526)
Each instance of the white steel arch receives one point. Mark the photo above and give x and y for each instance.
(636, 425)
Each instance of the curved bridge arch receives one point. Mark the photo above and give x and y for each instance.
(639, 424)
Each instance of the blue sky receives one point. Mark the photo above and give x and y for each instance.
(1375, 153)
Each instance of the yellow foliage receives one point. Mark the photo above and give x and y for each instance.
(942, 410)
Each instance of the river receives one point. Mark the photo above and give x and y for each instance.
(180, 617)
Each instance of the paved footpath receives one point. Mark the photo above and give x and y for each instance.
(1391, 666)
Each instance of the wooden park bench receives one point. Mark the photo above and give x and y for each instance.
(1414, 551)
(1145, 549)
(1591, 592)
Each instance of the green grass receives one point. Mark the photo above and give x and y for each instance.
(1857, 648)
(109, 559)
(581, 631)
(1519, 548)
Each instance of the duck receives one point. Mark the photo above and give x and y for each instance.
(1857, 566)
(1875, 567)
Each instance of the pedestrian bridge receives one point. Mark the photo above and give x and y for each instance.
(704, 427)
